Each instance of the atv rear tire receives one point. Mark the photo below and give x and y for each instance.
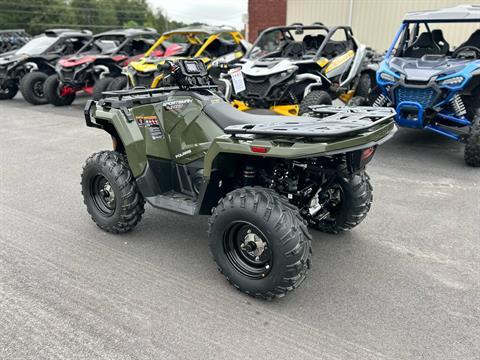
(260, 242)
(364, 86)
(472, 145)
(110, 192)
(100, 86)
(358, 101)
(118, 83)
(316, 97)
(355, 201)
(9, 92)
(31, 87)
(52, 89)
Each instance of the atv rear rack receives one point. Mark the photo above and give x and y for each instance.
(332, 121)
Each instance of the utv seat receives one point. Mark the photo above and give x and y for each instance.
(424, 45)
(473, 40)
(225, 115)
(437, 35)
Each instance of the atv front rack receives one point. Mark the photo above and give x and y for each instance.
(332, 121)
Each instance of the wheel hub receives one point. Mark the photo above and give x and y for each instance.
(108, 194)
(253, 245)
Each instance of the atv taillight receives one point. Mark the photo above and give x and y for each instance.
(367, 153)
(259, 149)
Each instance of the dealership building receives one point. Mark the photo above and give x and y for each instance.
(374, 22)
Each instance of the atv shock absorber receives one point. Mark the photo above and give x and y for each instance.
(458, 105)
(380, 101)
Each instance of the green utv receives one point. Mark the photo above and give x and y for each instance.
(263, 179)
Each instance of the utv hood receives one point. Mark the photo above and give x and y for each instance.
(264, 67)
(425, 68)
(12, 57)
(80, 59)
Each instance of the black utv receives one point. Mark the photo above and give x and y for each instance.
(28, 67)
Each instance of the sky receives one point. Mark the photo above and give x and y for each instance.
(212, 12)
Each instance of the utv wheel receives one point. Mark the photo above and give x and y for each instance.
(110, 192)
(260, 242)
(9, 92)
(364, 86)
(358, 101)
(53, 90)
(348, 204)
(31, 87)
(118, 83)
(100, 86)
(316, 97)
(472, 145)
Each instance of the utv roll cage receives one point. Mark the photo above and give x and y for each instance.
(299, 28)
(460, 14)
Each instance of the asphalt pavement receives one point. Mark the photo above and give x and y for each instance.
(405, 284)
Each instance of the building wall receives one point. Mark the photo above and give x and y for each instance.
(374, 22)
(263, 14)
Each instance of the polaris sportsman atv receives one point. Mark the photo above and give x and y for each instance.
(95, 65)
(30, 65)
(292, 67)
(212, 44)
(263, 179)
(13, 39)
(432, 84)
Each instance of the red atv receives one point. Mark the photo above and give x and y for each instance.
(95, 65)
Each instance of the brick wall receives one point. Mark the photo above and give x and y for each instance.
(263, 14)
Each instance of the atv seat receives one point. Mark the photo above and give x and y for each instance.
(225, 115)
(437, 35)
(473, 40)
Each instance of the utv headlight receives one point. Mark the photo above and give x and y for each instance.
(387, 77)
(457, 80)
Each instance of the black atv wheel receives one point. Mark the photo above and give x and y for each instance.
(260, 242)
(31, 87)
(110, 192)
(100, 86)
(9, 92)
(316, 97)
(358, 101)
(118, 83)
(53, 90)
(349, 200)
(472, 144)
(364, 86)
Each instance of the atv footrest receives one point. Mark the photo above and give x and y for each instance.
(174, 201)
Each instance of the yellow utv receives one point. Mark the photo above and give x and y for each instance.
(290, 68)
(211, 44)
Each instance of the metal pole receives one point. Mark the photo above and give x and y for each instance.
(350, 13)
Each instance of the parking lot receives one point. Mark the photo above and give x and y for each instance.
(405, 284)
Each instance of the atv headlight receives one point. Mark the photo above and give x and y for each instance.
(387, 77)
(457, 80)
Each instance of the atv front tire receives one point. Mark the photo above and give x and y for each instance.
(31, 87)
(316, 97)
(9, 92)
(118, 83)
(354, 198)
(260, 242)
(52, 90)
(472, 145)
(110, 192)
(364, 86)
(100, 86)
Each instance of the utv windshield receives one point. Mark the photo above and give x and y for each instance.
(37, 45)
(460, 40)
(107, 44)
(302, 44)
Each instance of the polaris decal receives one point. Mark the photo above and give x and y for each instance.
(153, 125)
(184, 153)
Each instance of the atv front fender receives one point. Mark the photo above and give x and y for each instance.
(125, 129)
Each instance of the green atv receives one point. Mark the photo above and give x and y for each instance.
(263, 179)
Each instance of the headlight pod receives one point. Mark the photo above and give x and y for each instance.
(387, 77)
(457, 80)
